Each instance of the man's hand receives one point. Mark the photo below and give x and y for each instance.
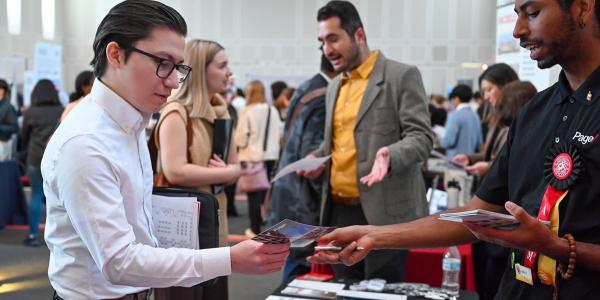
(531, 233)
(251, 257)
(479, 168)
(380, 168)
(314, 173)
(461, 160)
(349, 238)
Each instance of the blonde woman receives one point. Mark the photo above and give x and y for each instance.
(194, 107)
(250, 134)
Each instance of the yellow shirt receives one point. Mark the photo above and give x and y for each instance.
(343, 151)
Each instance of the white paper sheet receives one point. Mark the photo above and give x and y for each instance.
(317, 285)
(175, 221)
(305, 164)
(369, 295)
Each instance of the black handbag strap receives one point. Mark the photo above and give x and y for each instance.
(267, 127)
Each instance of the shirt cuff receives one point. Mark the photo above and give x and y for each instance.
(216, 262)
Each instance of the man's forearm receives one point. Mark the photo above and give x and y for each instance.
(588, 255)
(429, 231)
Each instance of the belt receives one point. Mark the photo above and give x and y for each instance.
(345, 200)
(143, 295)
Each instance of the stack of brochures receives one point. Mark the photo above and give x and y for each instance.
(483, 218)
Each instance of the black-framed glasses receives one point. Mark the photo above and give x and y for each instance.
(165, 67)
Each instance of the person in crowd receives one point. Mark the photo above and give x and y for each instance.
(277, 88)
(230, 189)
(490, 258)
(239, 100)
(463, 129)
(295, 197)
(257, 136)
(8, 121)
(476, 101)
(283, 102)
(547, 171)
(491, 82)
(98, 176)
(39, 121)
(196, 105)
(437, 111)
(378, 134)
(83, 86)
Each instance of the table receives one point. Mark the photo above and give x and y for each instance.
(464, 295)
(425, 266)
(13, 206)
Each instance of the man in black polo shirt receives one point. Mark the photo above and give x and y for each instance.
(546, 169)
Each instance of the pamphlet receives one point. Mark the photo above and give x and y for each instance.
(305, 164)
(299, 234)
(483, 218)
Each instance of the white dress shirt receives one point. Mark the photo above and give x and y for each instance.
(98, 185)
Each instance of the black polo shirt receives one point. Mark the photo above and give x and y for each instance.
(554, 116)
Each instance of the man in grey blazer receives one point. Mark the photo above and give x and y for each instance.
(377, 132)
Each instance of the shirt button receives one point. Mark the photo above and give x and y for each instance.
(571, 100)
(556, 140)
(564, 118)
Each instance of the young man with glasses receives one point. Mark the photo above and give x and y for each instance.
(98, 177)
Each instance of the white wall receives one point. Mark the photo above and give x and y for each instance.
(277, 38)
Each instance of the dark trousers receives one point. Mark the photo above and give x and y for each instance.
(216, 291)
(256, 199)
(230, 194)
(386, 264)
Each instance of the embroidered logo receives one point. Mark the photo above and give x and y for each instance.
(583, 139)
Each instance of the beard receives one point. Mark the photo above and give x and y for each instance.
(353, 60)
(558, 48)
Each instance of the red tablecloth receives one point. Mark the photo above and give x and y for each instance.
(425, 265)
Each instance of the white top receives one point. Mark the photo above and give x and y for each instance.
(98, 185)
(250, 133)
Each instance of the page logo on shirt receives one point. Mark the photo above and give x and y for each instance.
(583, 139)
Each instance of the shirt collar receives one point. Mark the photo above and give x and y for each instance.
(463, 105)
(327, 79)
(123, 113)
(365, 69)
(591, 86)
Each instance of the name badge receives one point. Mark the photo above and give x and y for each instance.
(523, 274)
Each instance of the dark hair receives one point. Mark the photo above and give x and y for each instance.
(129, 22)
(44, 93)
(349, 17)
(4, 86)
(326, 65)
(477, 95)
(566, 5)
(463, 92)
(276, 88)
(514, 96)
(240, 92)
(499, 74)
(84, 78)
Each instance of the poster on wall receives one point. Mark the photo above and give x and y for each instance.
(507, 47)
(47, 62)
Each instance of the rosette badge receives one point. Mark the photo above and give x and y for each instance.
(562, 166)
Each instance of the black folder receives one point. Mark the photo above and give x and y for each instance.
(222, 131)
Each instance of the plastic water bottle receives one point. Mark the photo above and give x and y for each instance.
(451, 270)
